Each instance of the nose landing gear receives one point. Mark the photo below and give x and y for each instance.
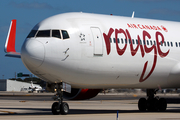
(152, 103)
(59, 107)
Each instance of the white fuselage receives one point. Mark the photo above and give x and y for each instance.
(89, 59)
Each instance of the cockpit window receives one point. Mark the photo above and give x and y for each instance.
(65, 34)
(43, 33)
(61, 34)
(32, 33)
(56, 33)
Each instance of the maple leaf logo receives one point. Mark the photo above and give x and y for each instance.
(164, 28)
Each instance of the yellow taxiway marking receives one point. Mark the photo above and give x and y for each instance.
(134, 95)
(27, 95)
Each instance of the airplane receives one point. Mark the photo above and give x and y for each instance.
(91, 52)
(37, 88)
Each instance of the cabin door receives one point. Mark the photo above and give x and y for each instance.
(98, 41)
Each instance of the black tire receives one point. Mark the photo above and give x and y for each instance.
(162, 105)
(55, 110)
(142, 104)
(64, 108)
(152, 104)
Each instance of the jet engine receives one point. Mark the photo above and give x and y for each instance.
(81, 94)
(76, 94)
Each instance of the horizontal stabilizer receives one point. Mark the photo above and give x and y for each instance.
(13, 54)
(10, 41)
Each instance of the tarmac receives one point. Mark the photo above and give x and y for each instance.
(20, 106)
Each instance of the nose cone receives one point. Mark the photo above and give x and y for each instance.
(32, 53)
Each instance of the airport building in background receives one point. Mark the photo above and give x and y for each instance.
(11, 85)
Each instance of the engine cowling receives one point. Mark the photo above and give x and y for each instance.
(81, 94)
(76, 94)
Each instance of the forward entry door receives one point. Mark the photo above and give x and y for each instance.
(98, 45)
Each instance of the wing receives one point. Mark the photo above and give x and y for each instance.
(10, 41)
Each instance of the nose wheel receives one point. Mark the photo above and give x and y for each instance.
(152, 103)
(59, 107)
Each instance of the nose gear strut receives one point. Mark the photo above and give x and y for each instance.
(59, 107)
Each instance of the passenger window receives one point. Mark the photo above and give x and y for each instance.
(168, 44)
(133, 41)
(65, 34)
(121, 40)
(56, 33)
(171, 44)
(176, 44)
(144, 42)
(155, 43)
(179, 44)
(114, 40)
(147, 42)
(151, 42)
(32, 33)
(43, 33)
(136, 41)
(129, 41)
(118, 40)
(125, 41)
(164, 43)
(110, 40)
(161, 43)
(140, 42)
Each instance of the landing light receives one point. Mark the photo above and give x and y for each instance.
(55, 90)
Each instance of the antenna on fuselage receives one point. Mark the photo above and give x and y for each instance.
(133, 14)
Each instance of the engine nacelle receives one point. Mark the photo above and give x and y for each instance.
(81, 94)
(76, 94)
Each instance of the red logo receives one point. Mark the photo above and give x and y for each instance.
(164, 28)
(143, 48)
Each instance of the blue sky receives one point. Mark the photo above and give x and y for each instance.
(30, 12)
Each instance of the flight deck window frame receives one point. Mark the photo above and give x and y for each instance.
(34, 35)
(43, 36)
(59, 33)
(64, 38)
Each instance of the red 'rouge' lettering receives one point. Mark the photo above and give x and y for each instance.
(134, 50)
(120, 51)
(148, 50)
(161, 54)
(107, 41)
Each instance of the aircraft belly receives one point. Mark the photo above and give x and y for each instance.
(174, 76)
